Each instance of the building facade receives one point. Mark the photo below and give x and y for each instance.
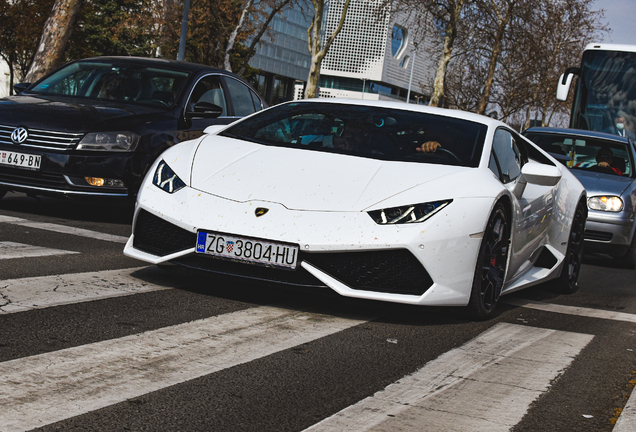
(373, 57)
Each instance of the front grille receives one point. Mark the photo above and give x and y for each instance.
(159, 237)
(597, 235)
(394, 271)
(42, 138)
(33, 178)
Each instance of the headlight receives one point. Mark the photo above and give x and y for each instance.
(166, 179)
(605, 203)
(408, 214)
(109, 141)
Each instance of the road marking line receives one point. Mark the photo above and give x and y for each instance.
(11, 250)
(571, 310)
(508, 367)
(64, 229)
(19, 295)
(43, 389)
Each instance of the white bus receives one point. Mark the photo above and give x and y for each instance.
(605, 91)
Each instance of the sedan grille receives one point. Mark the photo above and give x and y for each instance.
(43, 139)
(598, 235)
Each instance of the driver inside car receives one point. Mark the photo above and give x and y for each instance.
(429, 147)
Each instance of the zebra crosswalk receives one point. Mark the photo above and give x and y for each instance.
(487, 383)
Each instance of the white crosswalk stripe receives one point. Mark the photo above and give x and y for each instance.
(11, 250)
(64, 229)
(17, 295)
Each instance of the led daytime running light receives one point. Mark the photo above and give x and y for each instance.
(414, 213)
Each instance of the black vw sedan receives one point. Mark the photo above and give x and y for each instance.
(93, 127)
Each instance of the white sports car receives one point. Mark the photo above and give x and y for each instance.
(375, 200)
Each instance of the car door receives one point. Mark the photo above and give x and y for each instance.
(532, 211)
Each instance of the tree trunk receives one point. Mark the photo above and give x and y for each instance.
(234, 34)
(450, 31)
(57, 30)
(318, 53)
(496, 50)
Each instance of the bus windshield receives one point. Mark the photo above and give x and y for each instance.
(606, 96)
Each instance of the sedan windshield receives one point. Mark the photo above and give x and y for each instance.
(587, 153)
(130, 83)
(367, 131)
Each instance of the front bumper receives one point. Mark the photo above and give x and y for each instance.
(63, 174)
(608, 232)
(430, 263)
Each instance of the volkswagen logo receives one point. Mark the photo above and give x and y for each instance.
(19, 135)
(260, 211)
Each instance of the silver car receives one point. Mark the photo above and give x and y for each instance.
(604, 164)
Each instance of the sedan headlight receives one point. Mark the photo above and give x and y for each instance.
(408, 214)
(605, 203)
(166, 179)
(109, 141)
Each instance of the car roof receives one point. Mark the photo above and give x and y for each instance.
(173, 64)
(409, 107)
(579, 132)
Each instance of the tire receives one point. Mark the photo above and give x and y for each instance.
(492, 262)
(567, 283)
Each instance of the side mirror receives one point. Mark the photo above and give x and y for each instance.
(20, 87)
(539, 174)
(205, 110)
(563, 86)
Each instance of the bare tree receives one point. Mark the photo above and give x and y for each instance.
(57, 31)
(317, 51)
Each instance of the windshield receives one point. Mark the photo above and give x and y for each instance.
(586, 153)
(374, 132)
(606, 97)
(124, 82)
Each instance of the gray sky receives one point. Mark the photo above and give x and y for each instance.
(621, 17)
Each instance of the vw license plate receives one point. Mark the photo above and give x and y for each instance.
(20, 160)
(249, 250)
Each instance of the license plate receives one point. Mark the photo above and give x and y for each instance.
(20, 160)
(248, 250)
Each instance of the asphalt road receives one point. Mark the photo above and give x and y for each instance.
(270, 358)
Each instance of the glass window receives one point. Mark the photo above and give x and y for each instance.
(508, 155)
(587, 153)
(398, 39)
(120, 81)
(379, 133)
(241, 98)
(208, 89)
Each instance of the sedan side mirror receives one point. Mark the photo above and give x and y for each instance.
(539, 174)
(20, 87)
(205, 110)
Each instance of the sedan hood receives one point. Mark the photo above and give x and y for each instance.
(66, 114)
(604, 184)
(303, 179)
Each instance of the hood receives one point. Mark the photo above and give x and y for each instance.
(602, 184)
(67, 114)
(303, 179)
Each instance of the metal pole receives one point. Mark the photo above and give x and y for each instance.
(184, 30)
(408, 95)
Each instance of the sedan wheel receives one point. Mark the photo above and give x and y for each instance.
(491, 265)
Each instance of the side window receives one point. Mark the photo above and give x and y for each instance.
(508, 155)
(493, 166)
(209, 89)
(257, 101)
(241, 97)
